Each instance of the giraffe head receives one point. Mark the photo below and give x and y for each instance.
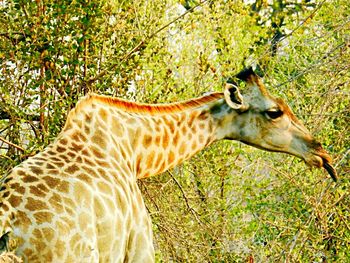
(267, 123)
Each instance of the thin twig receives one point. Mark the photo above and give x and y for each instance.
(185, 197)
(11, 144)
(312, 66)
(143, 43)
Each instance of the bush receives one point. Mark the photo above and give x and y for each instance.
(230, 203)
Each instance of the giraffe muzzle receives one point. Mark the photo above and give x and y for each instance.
(314, 155)
(322, 159)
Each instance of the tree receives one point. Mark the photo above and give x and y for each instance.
(230, 203)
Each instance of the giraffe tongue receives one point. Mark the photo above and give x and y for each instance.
(330, 169)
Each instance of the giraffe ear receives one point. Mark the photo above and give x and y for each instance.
(234, 98)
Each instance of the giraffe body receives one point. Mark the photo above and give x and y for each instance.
(78, 200)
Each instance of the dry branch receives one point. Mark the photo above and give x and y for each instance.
(11, 144)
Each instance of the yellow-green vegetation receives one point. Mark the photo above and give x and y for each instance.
(230, 203)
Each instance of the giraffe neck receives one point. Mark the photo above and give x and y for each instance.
(170, 139)
(146, 142)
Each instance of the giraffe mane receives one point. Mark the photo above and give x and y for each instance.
(152, 109)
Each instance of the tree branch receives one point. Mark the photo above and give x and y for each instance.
(143, 43)
(11, 144)
(5, 115)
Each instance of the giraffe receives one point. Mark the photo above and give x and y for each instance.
(78, 200)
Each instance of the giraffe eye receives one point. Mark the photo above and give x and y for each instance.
(274, 113)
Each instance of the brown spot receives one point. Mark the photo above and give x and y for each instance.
(51, 152)
(150, 159)
(56, 202)
(103, 114)
(23, 220)
(55, 159)
(117, 128)
(165, 139)
(182, 148)
(87, 118)
(194, 145)
(48, 233)
(147, 140)
(157, 127)
(60, 248)
(171, 125)
(30, 179)
(43, 217)
(63, 187)
(64, 158)
(102, 163)
(36, 191)
(71, 155)
(20, 172)
(105, 188)
(34, 204)
(131, 121)
(8, 179)
(159, 159)
(135, 134)
(123, 153)
(201, 126)
(201, 139)
(90, 171)
(194, 129)
(85, 153)
(14, 200)
(76, 147)
(138, 164)
(176, 118)
(171, 157)
(99, 138)
(50, 166)
(63, 141)
(192, 117)
(99, 208)
(81, 193)
(184, 130)
(87, 129)
(36, 170)
(60, 149)
(5, 194)
(51, 181)
(157, 140)
(84, 219)
(209, 140)
(72, 169)
(102, 172)
(88, 162)
(122, 203)
(4, 207)
(98, 153)
(210, 128)
(176, 138)
(84, 177)
(189, 136)
(203, 116)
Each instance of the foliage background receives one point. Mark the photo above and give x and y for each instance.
(230, 203)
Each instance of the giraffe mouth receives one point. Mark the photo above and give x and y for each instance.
(330, 169)
(323, 160)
